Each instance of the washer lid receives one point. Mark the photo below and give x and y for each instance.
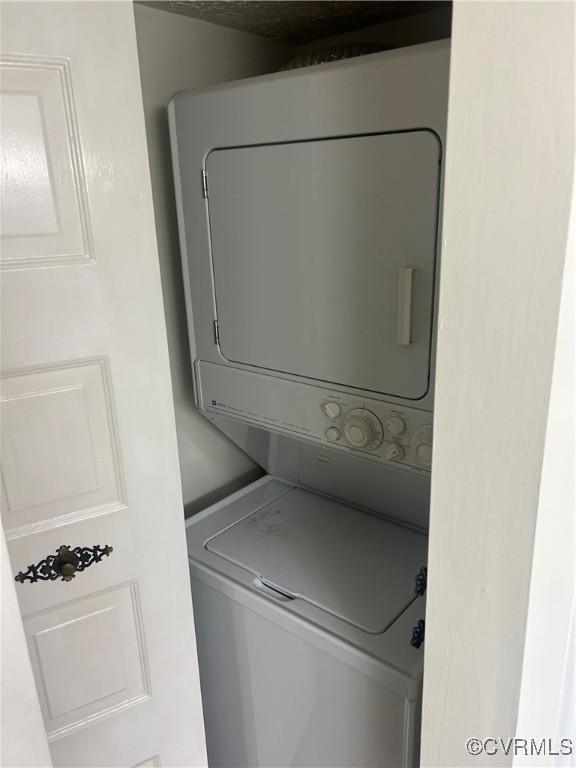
(350, 563)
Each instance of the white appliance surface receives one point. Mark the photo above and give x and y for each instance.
(398, 662)
(285, 681)
(309, 218)
(308, 242)
(350, 563)
(393, 435)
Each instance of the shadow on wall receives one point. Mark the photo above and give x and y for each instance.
(221, 492)
(178, 53)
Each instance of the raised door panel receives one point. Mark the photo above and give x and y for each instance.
(324, 258)
(59, 448)
(76, 685)
(45, 218)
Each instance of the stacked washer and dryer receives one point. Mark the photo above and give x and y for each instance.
(309, 210)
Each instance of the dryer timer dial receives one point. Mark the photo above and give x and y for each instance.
(363, 429)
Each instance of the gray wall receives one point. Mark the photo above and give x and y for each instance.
(411, 30)
(177, 53)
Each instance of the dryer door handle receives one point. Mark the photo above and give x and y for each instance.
(404, 316)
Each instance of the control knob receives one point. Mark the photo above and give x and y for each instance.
(333, 434)
(394, 452)
(424, 454)
(332, 410)
(422, 446)
(395, 425)
(363, 429)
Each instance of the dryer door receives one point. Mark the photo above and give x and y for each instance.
(324, 258)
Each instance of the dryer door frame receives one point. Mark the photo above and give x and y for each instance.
(275, 204)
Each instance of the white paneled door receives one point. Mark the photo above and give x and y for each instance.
(91, 503)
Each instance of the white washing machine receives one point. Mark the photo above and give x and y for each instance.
(305, 608)
(309, 213)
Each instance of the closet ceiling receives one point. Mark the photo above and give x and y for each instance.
(297, 22)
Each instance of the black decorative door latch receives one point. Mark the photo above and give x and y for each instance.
(419, 589)
(64, 564)
(420, 581)
(418, 634)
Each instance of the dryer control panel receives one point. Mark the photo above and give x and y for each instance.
(392, 434)
(389, 432)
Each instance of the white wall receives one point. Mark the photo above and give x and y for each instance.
(178, 53)
(507, 200)
(548, 692)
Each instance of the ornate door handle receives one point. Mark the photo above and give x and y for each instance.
(420, 581)
(64, 564)
(418, 634)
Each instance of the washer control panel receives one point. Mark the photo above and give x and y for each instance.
(394, 434)
(388, 432)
